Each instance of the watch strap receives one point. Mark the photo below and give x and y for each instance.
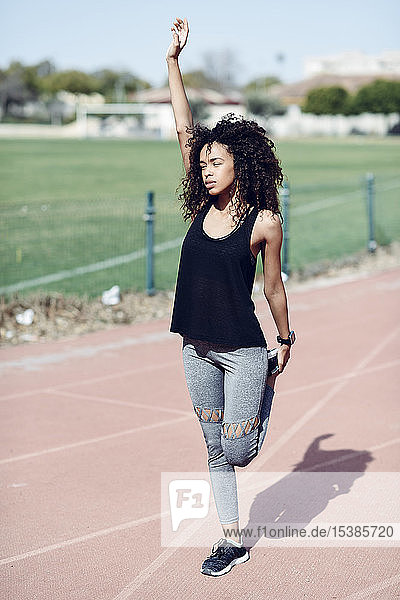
(288, 341)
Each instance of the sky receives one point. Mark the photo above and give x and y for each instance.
(134, 36)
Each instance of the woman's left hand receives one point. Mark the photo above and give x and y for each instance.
(283, 356)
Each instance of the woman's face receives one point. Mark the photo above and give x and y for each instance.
(216, 168)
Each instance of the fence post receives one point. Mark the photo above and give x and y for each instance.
(286, 235)
(149, 218)
(370, 210)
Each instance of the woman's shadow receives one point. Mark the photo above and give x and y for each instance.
(300, 496)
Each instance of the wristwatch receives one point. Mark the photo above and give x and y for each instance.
(289, 341)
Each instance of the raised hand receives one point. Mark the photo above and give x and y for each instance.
(180, 32)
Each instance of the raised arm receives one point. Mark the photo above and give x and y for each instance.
(180, 105)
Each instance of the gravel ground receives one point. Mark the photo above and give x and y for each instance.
(56, 316)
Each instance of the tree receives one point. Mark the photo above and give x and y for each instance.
(380, 96)
(20, 84)
(112, 83)
(17, 86)
(107, 79)
(332, 100)
(263, 105)
(261, 84)
(199, 79)
(35, 74)
(76, 82)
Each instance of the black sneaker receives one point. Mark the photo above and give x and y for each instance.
(273, 366)
(223, 557)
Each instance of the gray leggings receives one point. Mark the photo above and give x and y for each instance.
(232, 400)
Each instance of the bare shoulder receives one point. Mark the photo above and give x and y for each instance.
(268, 226)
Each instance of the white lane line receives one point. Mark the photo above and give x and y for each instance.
(353, 454)
(188, 414)
(377, 587)
(328, 282)
(291, 431)
(165, 555)
(83, 538)
(303, 388)
(350, 375)
(157, 516)
(35, 363)
(148, 571)
(376, 350)
(115, 375)
(95, 440)
(389, 285)
(161, 559)
(154, 408)
(333, 461)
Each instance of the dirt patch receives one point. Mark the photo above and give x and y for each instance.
(56, 316)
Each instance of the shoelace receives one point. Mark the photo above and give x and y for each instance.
(217, 545)
(218, 550)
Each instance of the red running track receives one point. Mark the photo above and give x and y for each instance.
(89, 424)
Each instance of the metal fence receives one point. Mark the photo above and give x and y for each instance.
(80, 247)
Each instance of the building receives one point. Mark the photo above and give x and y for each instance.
(354, 62)
(296, 93)
(350, 70)
(216, 105)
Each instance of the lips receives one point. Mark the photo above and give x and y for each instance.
(210, 184)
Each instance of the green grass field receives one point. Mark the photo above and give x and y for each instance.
(71, 203)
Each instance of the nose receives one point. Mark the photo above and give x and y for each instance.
(208, 171)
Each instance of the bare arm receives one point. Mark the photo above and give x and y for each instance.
(274, 289)
(180, 105)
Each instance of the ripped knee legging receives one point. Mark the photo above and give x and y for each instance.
(232, 401)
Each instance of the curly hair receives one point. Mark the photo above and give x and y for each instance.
(258, 174)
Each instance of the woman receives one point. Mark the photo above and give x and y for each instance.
(231, 194)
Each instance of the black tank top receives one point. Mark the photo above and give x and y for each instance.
(214, 285)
